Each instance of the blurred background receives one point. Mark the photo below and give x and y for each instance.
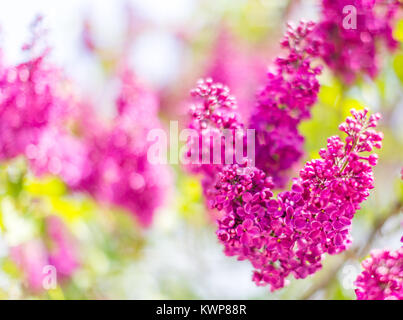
(169, 45)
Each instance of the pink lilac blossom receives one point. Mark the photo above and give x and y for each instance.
(109, 161)
(31, 257)
(351, 50)
(57, 250)
(87, 36)
(382, 278)
(59, 153)
(289, 234)
(119, 171)
(215, 110)
(240, 69)
(62, 253)
(31, 98)
(286, 99)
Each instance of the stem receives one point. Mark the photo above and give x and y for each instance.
(356, 139)
(356, 253)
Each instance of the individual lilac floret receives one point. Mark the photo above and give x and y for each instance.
(382, 278)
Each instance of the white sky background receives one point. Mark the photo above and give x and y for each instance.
(156, 54)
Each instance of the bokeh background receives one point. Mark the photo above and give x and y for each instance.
(169, 45)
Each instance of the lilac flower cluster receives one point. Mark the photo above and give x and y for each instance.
(285, 100)
(30, 100)
(215, 110)
(290, 233)
(68, 158)
(217, 107)
(348, 48)
(382, 278)
(292, 89)
(118, 171)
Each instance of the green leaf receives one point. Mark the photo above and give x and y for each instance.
(398, 66)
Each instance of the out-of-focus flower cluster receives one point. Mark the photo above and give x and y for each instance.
(382, 278)
(58, 250)
(239, 69)
(109, 160)
(31, 100)
(349, 37)
(60, 134)
(119, 172)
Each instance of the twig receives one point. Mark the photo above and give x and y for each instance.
(378, 226)
(353, 253)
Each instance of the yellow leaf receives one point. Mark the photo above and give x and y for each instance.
(398, 32)
(70, 209)
(330, 95)
(1, 222)
(49, 186)
(56, 294)
(350, 103)
(10, 268)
